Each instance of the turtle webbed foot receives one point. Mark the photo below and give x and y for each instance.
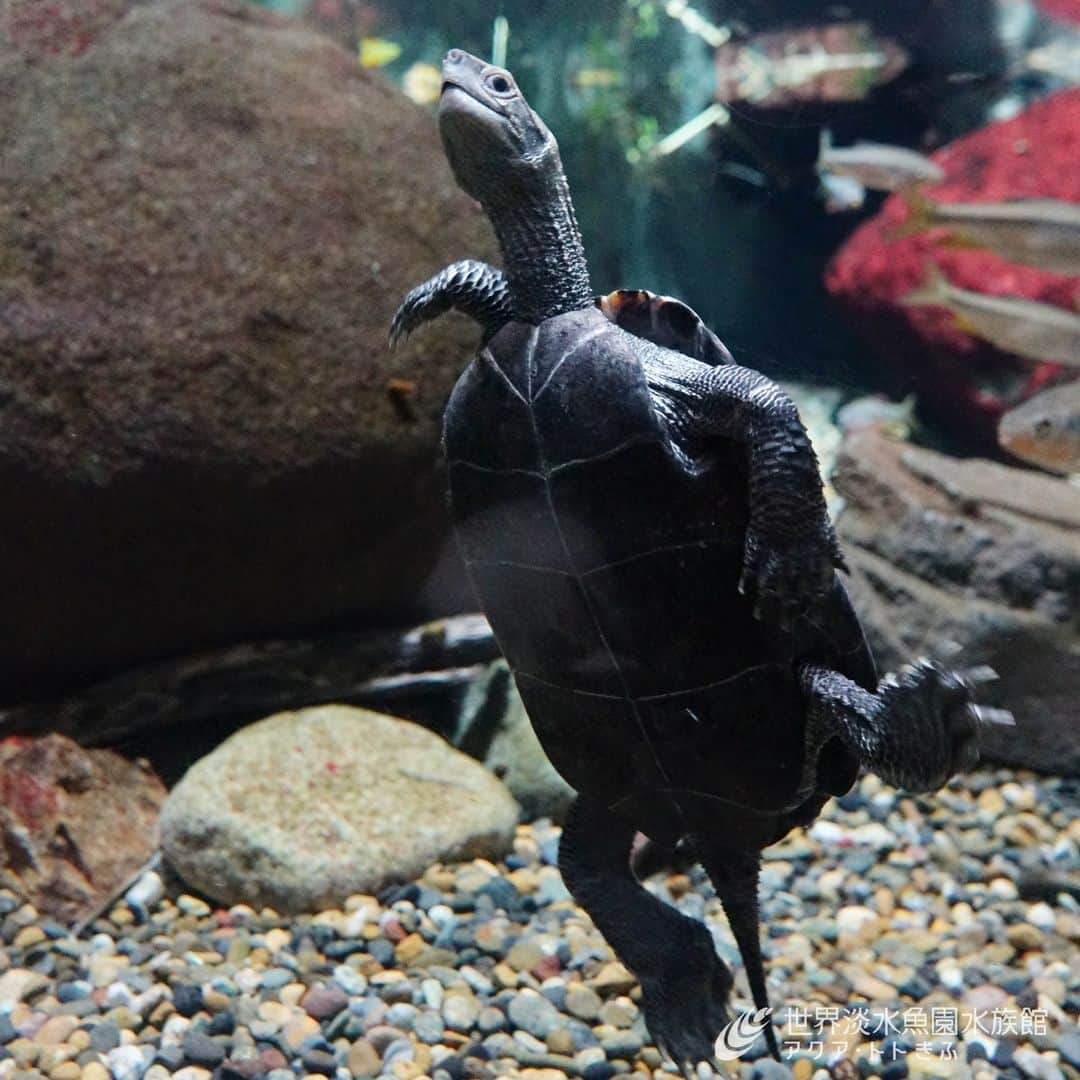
(685, 1005)
(930, 726)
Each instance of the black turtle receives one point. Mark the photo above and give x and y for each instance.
(644, 525)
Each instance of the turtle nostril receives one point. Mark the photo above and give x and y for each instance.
(453, 56)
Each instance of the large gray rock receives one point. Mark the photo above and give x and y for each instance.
(301, 809)
(207, 217)
(977, 554)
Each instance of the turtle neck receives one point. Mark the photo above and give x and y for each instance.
(543, 255)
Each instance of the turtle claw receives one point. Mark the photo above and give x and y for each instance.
(931, 728)
(978, 675)
(685, 1010)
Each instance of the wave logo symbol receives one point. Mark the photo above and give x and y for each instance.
(740, 1034)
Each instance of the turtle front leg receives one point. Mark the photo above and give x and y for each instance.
(684, 984)
(469, 286)
(790, 550)
(917, 730)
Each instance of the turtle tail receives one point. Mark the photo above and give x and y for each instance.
(734, 875)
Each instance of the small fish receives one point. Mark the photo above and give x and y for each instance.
(876, 165)
(423, 83)
(893, 418)
(841, 193)
(1045, 429)
(1044, 233)
(378, 52)
(1024, 327)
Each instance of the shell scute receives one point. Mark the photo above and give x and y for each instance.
(664, 321)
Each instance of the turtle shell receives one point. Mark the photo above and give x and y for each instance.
(665, 321)
(608, 561)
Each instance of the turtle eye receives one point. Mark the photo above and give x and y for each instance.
(500, 83)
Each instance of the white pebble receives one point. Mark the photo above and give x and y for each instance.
(192, 905)
(247, 980)
(144, 1003)
(875, 835)
(126, 1062)
(118, 993)
(1041, 915)
(829, 882)
(354, 923)
(433, 992)
(441, 916)
(827, 832)
(173, 1031)
(146, 892)
(853, 917)
(477, 980)
(350, 980)
(1004, 889)
(103, 944)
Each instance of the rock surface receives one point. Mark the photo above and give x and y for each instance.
(75, 824)
(208, 216)
(960, 380)
(980, 554)
(303, 809)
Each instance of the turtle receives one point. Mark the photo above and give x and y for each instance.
(643, 522)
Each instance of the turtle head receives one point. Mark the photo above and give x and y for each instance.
(496, 145)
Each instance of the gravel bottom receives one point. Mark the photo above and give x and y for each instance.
(891, 921)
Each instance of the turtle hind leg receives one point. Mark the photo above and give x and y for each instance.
(685, 985)
(469, 286)
(734, 875)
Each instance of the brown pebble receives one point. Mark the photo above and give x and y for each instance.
(57, 1029)
(559, 1041)
(409, 948)
(1024, 937)
(324, 1002)
(298, 1029)
(27, 936)
(363, 1059)
(613, 978)
(546, 968)
(23, 1051)
(393, 931)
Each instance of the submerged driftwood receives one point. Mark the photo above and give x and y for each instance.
(255, 679)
